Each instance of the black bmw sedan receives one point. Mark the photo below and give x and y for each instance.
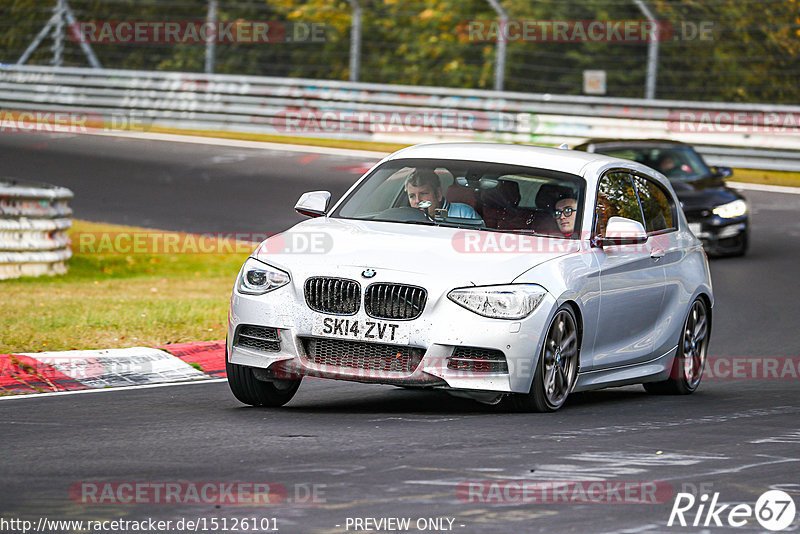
(717, 214)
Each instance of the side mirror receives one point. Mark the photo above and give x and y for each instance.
(313, 203)
(622, 231)
(722, 172)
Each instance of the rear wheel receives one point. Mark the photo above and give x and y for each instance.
(557, 368)
(687, 368)
(249, 390)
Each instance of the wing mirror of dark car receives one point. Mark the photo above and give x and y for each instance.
(722, 172)
(622, 231)
(313, 203)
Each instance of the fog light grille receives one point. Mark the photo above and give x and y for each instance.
(258, 338)
(477, 360)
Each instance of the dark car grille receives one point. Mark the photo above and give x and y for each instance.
(394, 301)
(333, 295)
(477, 360)
(362, 355)
(258, 338)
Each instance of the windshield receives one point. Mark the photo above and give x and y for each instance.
(678, 163)
(469, 194)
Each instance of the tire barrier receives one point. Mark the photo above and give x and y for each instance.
(34, 219)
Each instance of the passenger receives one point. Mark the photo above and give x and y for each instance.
(424, 184)
(565, 212)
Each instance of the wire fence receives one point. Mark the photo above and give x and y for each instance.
(715, 50)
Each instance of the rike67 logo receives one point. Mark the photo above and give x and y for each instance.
(774, 510)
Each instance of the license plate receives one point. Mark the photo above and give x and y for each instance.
(361, 329)
(695, 228)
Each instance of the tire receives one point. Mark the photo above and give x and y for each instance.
(249, 390)
(556, 369)
(687, 367)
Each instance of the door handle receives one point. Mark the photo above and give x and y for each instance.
(657, 254)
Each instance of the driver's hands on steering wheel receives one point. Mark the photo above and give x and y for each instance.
(423, 207)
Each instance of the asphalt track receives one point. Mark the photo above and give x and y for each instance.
(379, 451)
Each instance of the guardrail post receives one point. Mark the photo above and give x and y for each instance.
(59, 13)
(39, 36)
(85, 46)
(211, 18)
(652, 52)
(500, 53)
(355, 41)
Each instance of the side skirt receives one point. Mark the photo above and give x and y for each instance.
(653, 370)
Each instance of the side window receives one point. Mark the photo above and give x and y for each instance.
(656, 205)
(616, 197)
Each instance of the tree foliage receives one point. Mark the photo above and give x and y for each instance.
(722, 50)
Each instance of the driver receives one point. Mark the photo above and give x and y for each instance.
(669, 167)
(424, 184)
(565, 212)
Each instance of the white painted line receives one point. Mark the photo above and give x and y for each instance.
(240, 143)
(765, 188)
(108, 390)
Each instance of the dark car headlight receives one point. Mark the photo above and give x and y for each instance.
(731, 210)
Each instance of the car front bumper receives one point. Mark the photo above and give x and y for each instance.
(436, 335)
(721, 236)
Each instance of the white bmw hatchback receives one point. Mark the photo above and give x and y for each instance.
(495, 272)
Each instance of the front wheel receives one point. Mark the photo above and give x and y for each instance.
(557, 368)
(687, 368)
(249, 390)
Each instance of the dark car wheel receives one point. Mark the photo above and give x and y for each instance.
(689, 362)
(249, 390)
(557, 367)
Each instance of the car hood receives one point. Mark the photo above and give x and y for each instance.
(704, 193)
(464, 257)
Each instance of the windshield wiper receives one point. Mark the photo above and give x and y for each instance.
(424, 223)
(523, 231)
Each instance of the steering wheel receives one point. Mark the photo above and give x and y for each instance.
(404, 213)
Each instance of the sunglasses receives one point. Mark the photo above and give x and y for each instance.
(566, 212)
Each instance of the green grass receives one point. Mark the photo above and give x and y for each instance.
(120, 299)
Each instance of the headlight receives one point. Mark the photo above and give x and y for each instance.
(513, 301)
(737, 208)
(257, 278)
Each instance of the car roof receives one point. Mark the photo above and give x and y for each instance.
(557, 159)
(653, 143)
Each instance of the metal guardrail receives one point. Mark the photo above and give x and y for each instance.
(34, 219)
(361, 111)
